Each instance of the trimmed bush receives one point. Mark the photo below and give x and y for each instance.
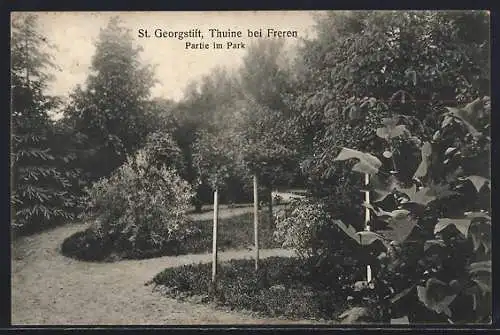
(279, 289)
(86, 245)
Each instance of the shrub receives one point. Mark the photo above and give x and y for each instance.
(87, 245)
(434, 222)
(279, 288)
(307, 227)
(162, 150)
(140, 210)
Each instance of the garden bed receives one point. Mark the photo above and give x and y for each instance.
(233, 233)
(281, 288)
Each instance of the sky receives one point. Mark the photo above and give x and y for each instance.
(74, 34)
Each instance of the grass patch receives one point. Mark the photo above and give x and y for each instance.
(281, 288)
(234, 233)
(210, 208)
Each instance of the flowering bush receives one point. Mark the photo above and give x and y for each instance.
(300, 226)
(141, 209)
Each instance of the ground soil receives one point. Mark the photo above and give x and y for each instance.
(50, 289)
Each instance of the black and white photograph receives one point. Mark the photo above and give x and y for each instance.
(309, 168)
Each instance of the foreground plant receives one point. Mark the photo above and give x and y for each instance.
(139, 211)
(432, 221)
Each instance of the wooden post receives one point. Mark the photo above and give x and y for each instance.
(256, 220)
(214, 238)
(367, 222)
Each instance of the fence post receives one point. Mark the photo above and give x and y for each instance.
(214, 238)
(367, 221)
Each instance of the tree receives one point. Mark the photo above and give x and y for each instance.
(207, 110)
(111, 110)
(213, 157)
(40, 194)
(366, 65)
(269, 142)
(374, 86)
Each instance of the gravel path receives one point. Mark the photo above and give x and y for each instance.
(50, 289)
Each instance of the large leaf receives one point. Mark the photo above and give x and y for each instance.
(437, 296)
(391, 129)
(385, 216)
(387, 154)
(478, 181)
(480, 233)
(399, 227)
(422, 197)
(368, 237)
(478, 216)
(481, 276)
(470, 128)
(387, 133)
(426, 152)
(367, 163)
(434, 243)
(446, 121)
(402, 294)
(382, 188)
(356, 315)
(469, 114)
(348, 229)
(362, 237)
(461, 224)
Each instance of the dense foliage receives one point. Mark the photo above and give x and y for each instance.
(436, 226)
(307, 227)
(140, 209)
(269, 147)
(43, 191)
(379, 82)
(202, 122)
(111, 110)
(366, 65)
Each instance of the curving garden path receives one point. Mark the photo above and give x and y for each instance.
(50, 289)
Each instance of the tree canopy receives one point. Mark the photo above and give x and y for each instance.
(41, 189)
(111, 110)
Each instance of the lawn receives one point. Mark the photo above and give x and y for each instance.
(281, 288)
(235, 232)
